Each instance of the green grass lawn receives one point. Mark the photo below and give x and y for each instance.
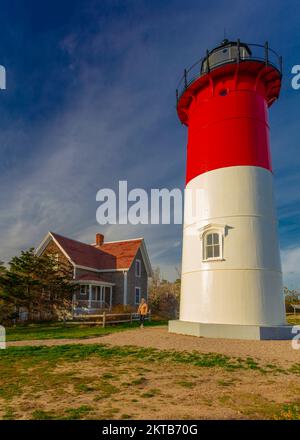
(127, 382)
(293, 319)
(59, 330)
(31, 355)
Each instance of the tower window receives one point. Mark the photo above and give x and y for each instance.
(212, 237)
(212, 245)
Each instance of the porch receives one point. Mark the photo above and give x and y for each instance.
(92, 297)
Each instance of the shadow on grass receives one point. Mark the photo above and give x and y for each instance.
(59, 330)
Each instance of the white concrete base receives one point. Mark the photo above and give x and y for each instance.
(231, 331)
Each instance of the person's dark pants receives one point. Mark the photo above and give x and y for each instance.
(142, 319)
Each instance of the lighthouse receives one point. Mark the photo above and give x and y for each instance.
(231, 269)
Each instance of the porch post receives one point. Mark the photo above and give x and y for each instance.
(73, 304)
(103, 296)
(125, 288)
(110, 297)
(90, 296)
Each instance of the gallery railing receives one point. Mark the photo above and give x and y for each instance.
(228, 54)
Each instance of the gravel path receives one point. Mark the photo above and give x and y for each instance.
(279, 352)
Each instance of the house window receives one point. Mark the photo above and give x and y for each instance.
(137, 295)
(83, 289)
(138, 268)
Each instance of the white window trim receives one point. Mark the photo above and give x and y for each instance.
(138, 274)
(217, 229)
(85, 290)
(135, 289)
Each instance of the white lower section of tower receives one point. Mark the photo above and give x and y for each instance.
(243, 283)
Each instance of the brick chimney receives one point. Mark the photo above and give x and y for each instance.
(99, 239)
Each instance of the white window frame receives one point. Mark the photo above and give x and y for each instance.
(213, 229)
(135, 289)
(138, 264)
(85, 290)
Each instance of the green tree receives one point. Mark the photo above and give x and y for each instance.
(291, 298)
(6, 309)
(164, 295)
(35, 283)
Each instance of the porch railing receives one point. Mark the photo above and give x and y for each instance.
(82, 306)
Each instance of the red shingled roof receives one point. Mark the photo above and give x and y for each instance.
(114, 255)
(123, 251)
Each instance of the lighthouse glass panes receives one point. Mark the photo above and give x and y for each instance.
(226, 53)
(212, 246)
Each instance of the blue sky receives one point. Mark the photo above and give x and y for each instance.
(90, 100)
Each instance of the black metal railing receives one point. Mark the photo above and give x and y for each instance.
(242, 52)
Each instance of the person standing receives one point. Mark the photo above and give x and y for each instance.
(143, 311)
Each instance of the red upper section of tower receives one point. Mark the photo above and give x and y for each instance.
(226, 111)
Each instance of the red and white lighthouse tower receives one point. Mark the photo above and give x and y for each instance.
(231, 270)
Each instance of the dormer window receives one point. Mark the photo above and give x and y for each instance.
(212, 237)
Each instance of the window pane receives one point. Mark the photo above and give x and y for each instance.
(216, 250)
(215, 238)
(209, 252)
(209, 238)
(137, 295)
(138, 268)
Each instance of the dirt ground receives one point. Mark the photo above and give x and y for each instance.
(117, 388)
(278, 352)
